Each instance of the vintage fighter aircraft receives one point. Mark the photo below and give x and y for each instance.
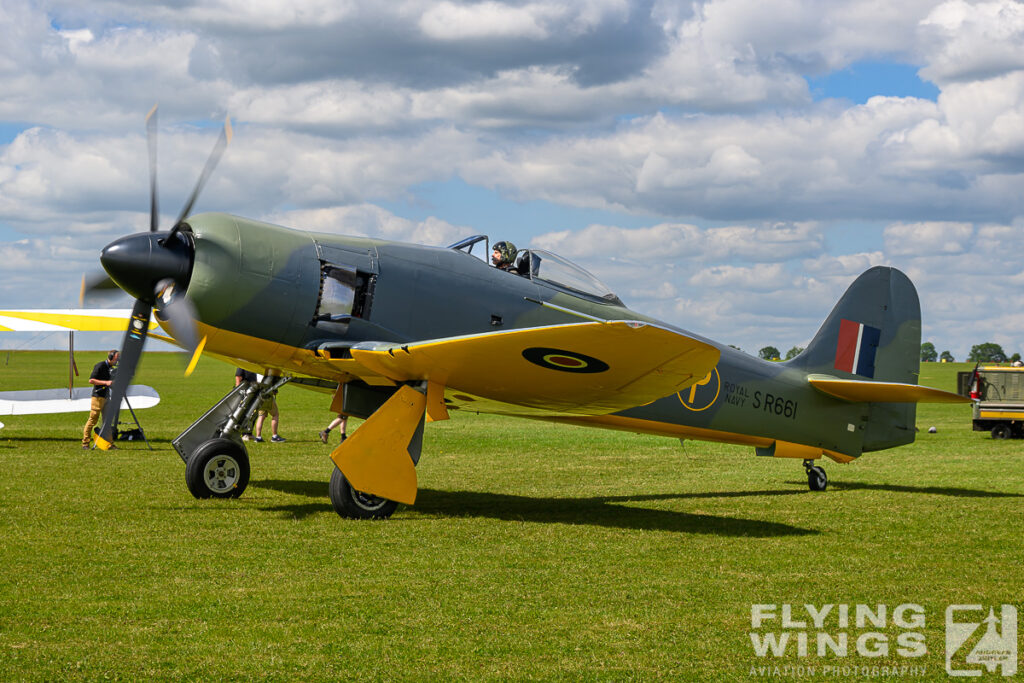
(402, 334)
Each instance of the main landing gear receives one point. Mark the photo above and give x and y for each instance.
(354, 504)
(219, 468)
(216, 462)
(817, 480)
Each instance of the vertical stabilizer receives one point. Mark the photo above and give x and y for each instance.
(873, 333)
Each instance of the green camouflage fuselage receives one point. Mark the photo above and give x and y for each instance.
(262, 284)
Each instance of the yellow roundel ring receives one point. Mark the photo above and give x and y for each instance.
(563, 361)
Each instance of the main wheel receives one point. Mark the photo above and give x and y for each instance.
(354, 504)
(1002, 431)
(219, 468)
(817, 480)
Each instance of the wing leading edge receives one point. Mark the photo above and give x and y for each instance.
(590, 368)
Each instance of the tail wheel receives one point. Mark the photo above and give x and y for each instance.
(353, 504)
(219, 468)
(817, 480)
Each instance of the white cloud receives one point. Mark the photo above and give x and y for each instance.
(451, 21)
(972, 40)
(367, 220)
(925, 239)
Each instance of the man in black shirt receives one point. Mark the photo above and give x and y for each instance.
(100, 379)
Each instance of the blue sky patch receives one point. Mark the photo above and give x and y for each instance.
(863, 80)
(10, 130)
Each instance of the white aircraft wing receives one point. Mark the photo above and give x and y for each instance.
(46, 401)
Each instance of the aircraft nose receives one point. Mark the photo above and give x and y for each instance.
(136, 263)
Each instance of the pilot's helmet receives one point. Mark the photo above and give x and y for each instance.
(507, 251)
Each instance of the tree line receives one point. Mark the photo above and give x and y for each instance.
(989, 352)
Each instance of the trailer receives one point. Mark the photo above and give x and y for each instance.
(999, 399)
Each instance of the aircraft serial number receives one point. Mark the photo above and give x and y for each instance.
(777, 405)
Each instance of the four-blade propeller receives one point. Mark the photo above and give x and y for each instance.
(155, 268)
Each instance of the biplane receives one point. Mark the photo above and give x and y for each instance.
(72, 399)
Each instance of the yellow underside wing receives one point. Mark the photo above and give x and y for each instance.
(580, 369)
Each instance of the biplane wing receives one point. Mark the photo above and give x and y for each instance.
(66, 320)
(47, 401)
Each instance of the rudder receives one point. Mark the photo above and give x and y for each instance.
(873, 333)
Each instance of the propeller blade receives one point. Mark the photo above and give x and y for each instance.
(131, 351)
(174, 308)
(195, 357)
(211, 163)
(95, 283)
(151, 141)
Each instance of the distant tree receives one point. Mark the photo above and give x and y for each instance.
(794, 352)
(946, 357)
(928, 353)
(1015, 358)
(768, 353)
(989, 352)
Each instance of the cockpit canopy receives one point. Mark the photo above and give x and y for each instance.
(546, 267)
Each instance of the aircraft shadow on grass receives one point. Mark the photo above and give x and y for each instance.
(605, 511)
(932, 490)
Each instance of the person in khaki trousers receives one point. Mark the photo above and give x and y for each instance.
(100, 379)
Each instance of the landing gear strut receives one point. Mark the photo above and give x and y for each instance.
(817, 480)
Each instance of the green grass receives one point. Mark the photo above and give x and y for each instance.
(535, 551)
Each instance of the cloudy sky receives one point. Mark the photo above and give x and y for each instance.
(729, 166)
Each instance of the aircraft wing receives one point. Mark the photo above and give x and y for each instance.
(882, 392)
(66, 320)
(47, 401)
(590, 368)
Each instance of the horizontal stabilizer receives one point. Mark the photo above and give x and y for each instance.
(48, 401)
(591, 368)
(860, 391)
(67, 320)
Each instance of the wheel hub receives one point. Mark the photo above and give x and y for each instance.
(221, 473)
(367, 501)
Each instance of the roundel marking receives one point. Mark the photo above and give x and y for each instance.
(563, 361)
(703, 394)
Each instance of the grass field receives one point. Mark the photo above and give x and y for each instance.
(535, 551)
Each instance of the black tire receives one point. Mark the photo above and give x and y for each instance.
(354, 504)
(1002, 431)
(817, 480)
(219, 468)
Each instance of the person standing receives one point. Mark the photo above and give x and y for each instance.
(245, 376)
(268, 405)
(339, 420)
(100, 379)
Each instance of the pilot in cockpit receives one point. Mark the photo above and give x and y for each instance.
(504, 255)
